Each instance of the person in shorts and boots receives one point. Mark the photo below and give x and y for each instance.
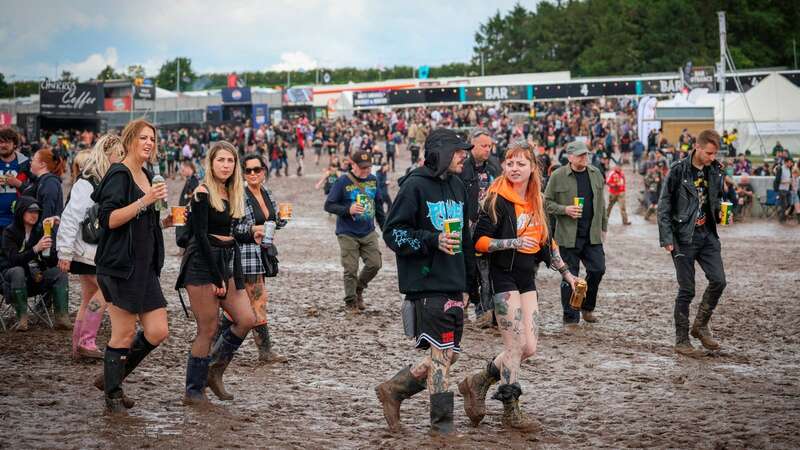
(688, 213)
(354, 199)
(434, 270)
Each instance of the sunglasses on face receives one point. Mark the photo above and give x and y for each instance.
(253, 170)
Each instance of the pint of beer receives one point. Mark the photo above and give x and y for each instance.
(285, 210)
(179, 216)
(727, 211)
(47, 225)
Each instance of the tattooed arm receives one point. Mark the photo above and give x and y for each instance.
(557, 263)
(504, 244)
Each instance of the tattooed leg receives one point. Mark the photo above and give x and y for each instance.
(440, 366)
(420, 370)
(530, 326)
(510, 317)
(258, 299)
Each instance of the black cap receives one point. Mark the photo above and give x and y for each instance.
(33, 207)
(362, 159)
(446, 139)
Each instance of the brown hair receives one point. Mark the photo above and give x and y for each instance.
(55, 163)
(9, 134)
(708, 137)
(131, 133)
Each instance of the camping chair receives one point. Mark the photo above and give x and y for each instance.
(770, 204)
(38, 307)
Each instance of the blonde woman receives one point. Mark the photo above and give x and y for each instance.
(76, 256)
(129, 259)
(512, 229)
(212, 274)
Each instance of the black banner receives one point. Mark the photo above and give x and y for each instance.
(747, 82)
(793, 77)
(144, 92)
(68, 98)
(496, 93)
(433, 95)
(370, 98)
(662, 87)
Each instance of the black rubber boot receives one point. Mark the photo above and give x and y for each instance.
(196, 380)
(474, 388)
(113, 373)
(442, 413)
(20, 299)
(513, 416)
(392, 392)
(221, 355)
(61, 307)
(224, 325)
(140, 348)
(683, 345)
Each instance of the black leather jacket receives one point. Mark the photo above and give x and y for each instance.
(470, 178)
(679, 205)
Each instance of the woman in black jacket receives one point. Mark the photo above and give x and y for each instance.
(512, 228)
(212, 274)
(129, 259)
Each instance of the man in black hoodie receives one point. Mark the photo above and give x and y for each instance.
(433, 273)
(23, 246)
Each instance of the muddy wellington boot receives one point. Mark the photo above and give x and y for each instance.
(76, 337)
(61, 307)
(360, 299)
(513, 416)
(20, 299)
(264, 344)
(700, 328)
(140, 348)
(474, 388)
(392, 392)
(221, 355)
(683, 344)
(113, 373)
(224, 324)
(442, 413)
(87, 329)
(196, 380)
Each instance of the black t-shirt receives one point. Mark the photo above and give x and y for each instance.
(700, 181)
(585, 191)
(484, 180)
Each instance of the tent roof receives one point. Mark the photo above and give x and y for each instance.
(774, 99)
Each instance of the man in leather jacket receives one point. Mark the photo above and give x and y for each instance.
(688, 213)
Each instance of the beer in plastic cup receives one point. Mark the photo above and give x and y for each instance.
(160, 203)
(727, 211)
(578, 201)
(47, 225)
(269, 233)
(285, 210)
(454, 226)
(179, 216)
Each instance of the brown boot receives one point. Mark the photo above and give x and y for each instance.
(588, 316)
(474, 388)
(683, 345)
(392, 392)
(22, 323)
(264, 344)
(360, 299)
(484, 321)
(700, 328)
(513, 416)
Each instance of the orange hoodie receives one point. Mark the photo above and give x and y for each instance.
(523, 211)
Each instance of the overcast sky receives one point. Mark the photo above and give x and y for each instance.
(41, 38)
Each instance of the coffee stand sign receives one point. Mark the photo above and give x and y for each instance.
(67, 98)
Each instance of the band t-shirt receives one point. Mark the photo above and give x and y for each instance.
(700, 181)
(8, 193)
(585, 191)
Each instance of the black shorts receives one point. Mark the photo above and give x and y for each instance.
(516, 280)
(439, 322)
(79, 268)
(197, 270)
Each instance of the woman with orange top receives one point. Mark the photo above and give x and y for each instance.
(512, 229)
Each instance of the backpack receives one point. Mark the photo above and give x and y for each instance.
(91, 231)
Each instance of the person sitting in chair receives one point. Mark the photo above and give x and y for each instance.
(32, 262)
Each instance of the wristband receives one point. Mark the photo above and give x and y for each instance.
(563, 269)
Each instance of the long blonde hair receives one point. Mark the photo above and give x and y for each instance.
(533, 194)
(97, 162)
(78, 163)
(234, 185)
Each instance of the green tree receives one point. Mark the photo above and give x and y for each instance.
(109, 74)
(66, 75)
(168, 74)
(135, 71)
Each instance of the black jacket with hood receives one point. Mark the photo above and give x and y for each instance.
(115, 251)
(429, 195)
(18, 251)
(470, 178)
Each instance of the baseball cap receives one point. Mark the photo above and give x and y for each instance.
(446, 139)
(577, 148)
(362, 159)
(33, 207)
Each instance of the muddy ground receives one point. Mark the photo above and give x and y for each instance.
(616, 384)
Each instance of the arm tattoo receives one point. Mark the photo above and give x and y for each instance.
(504, 244)
(556, 262)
